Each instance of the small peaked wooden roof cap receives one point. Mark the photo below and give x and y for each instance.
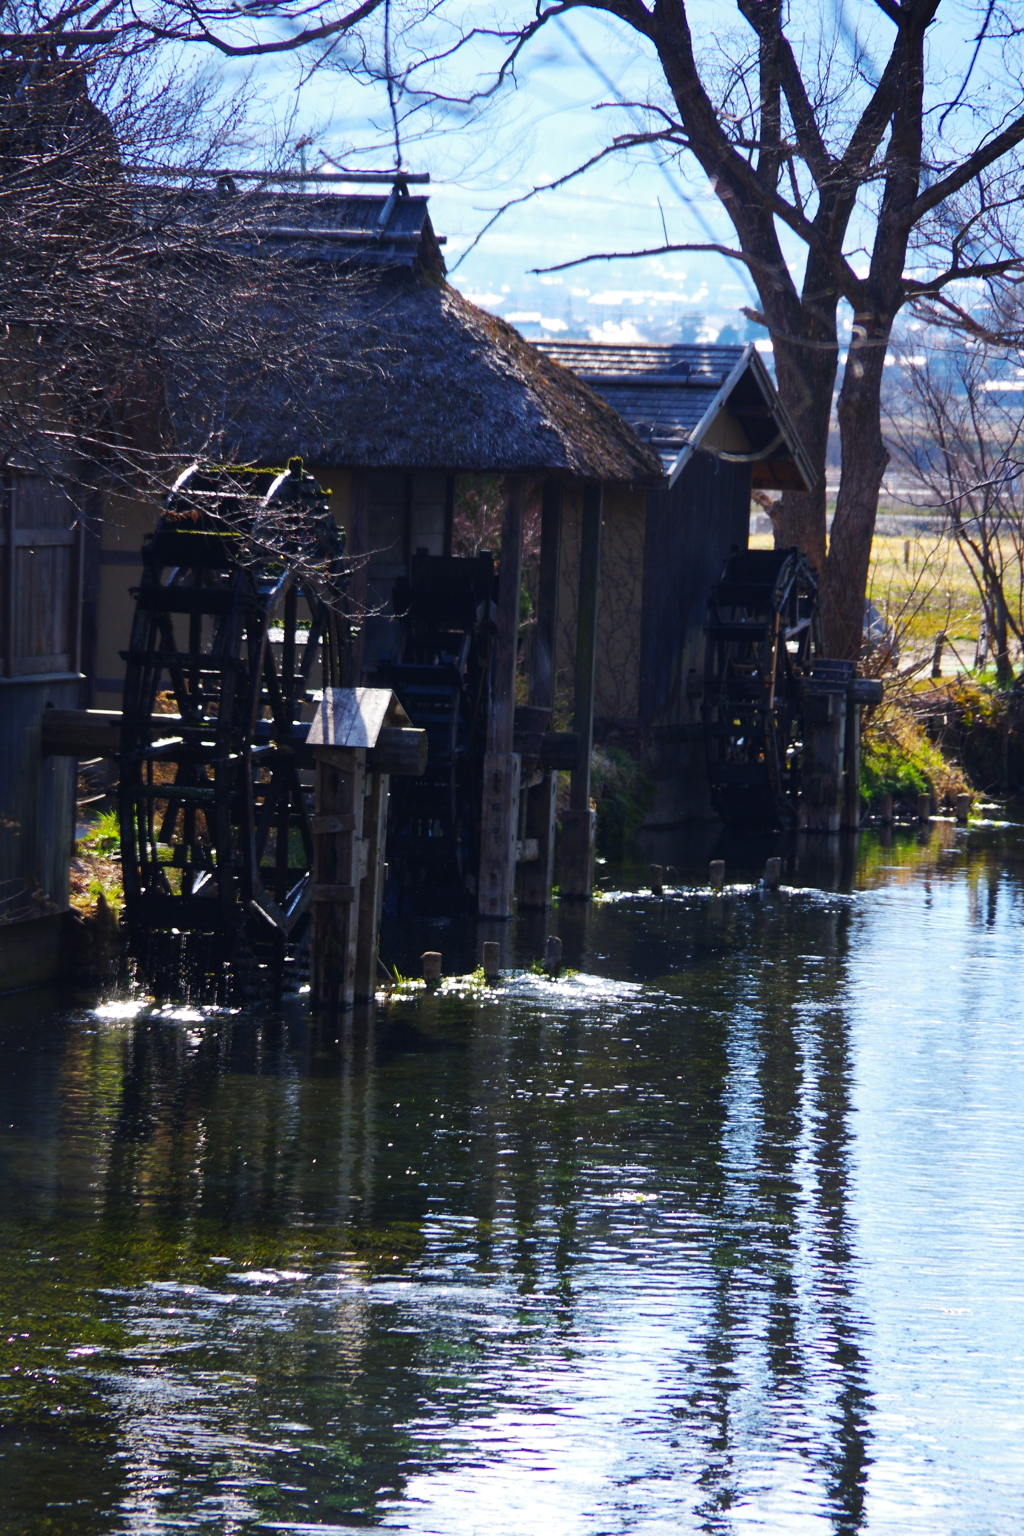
(676, 398)
(354, 717)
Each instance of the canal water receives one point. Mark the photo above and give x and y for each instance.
(724, 1232)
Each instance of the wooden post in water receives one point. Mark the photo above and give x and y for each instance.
(371, 886)
(579, 822)
(492, 960)
(822, 795)
(536, 877)
(499, 831)
(851, 768)
(337, 844)
(359, 737)
(553, 955)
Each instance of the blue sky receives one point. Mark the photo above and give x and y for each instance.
(552, 122)
(563, 109)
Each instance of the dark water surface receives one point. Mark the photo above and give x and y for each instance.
(725, 1232)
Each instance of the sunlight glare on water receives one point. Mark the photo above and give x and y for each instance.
(723, 1232)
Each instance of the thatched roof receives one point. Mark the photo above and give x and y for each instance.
(401, 371)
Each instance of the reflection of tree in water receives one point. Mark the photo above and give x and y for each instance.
(783, 1318)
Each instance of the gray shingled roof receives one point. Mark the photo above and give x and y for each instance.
(671, 396)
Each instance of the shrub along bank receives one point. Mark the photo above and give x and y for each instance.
(980, 727)
(899, 758)
(964, 735)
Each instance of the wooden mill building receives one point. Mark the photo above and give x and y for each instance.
(411, 387)
(714, 418)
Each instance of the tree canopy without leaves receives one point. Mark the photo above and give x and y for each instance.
(889, 161)
(256, 29)
(954, 421)
(137, 311)
(867, 158)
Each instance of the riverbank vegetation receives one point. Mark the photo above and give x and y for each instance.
(899, 758)
(96, 868)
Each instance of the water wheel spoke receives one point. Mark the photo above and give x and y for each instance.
(271, 791)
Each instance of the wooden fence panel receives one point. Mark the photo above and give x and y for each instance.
(41, 549)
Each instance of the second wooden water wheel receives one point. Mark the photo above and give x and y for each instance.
(763, 637)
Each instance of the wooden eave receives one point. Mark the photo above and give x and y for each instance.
(776, 455)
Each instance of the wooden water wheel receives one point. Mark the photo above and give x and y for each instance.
(763, 637)
(236, 623)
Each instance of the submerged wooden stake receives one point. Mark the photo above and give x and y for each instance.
(716, 874)
(963, 808)
(924, 807)
(772, 873)
(657, 879)
(431, 959)
(553, 955)
(492, 960)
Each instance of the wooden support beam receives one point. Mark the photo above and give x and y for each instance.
(851, 768)
(579, 824)
(821, 794)
(536, 877)
(83, 733)
(10, 590)
(348, 737)
(505, 650)
(545, 632)
(499, 831)
(371, 888)
(358, 547)
(340, 793)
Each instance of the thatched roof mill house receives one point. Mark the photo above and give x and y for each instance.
(405, 386)
(712, 415)
(398, 387)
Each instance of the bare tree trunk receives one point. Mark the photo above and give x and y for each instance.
(1004, 671)
(864, 459)
(806, 345)
(806, 391)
